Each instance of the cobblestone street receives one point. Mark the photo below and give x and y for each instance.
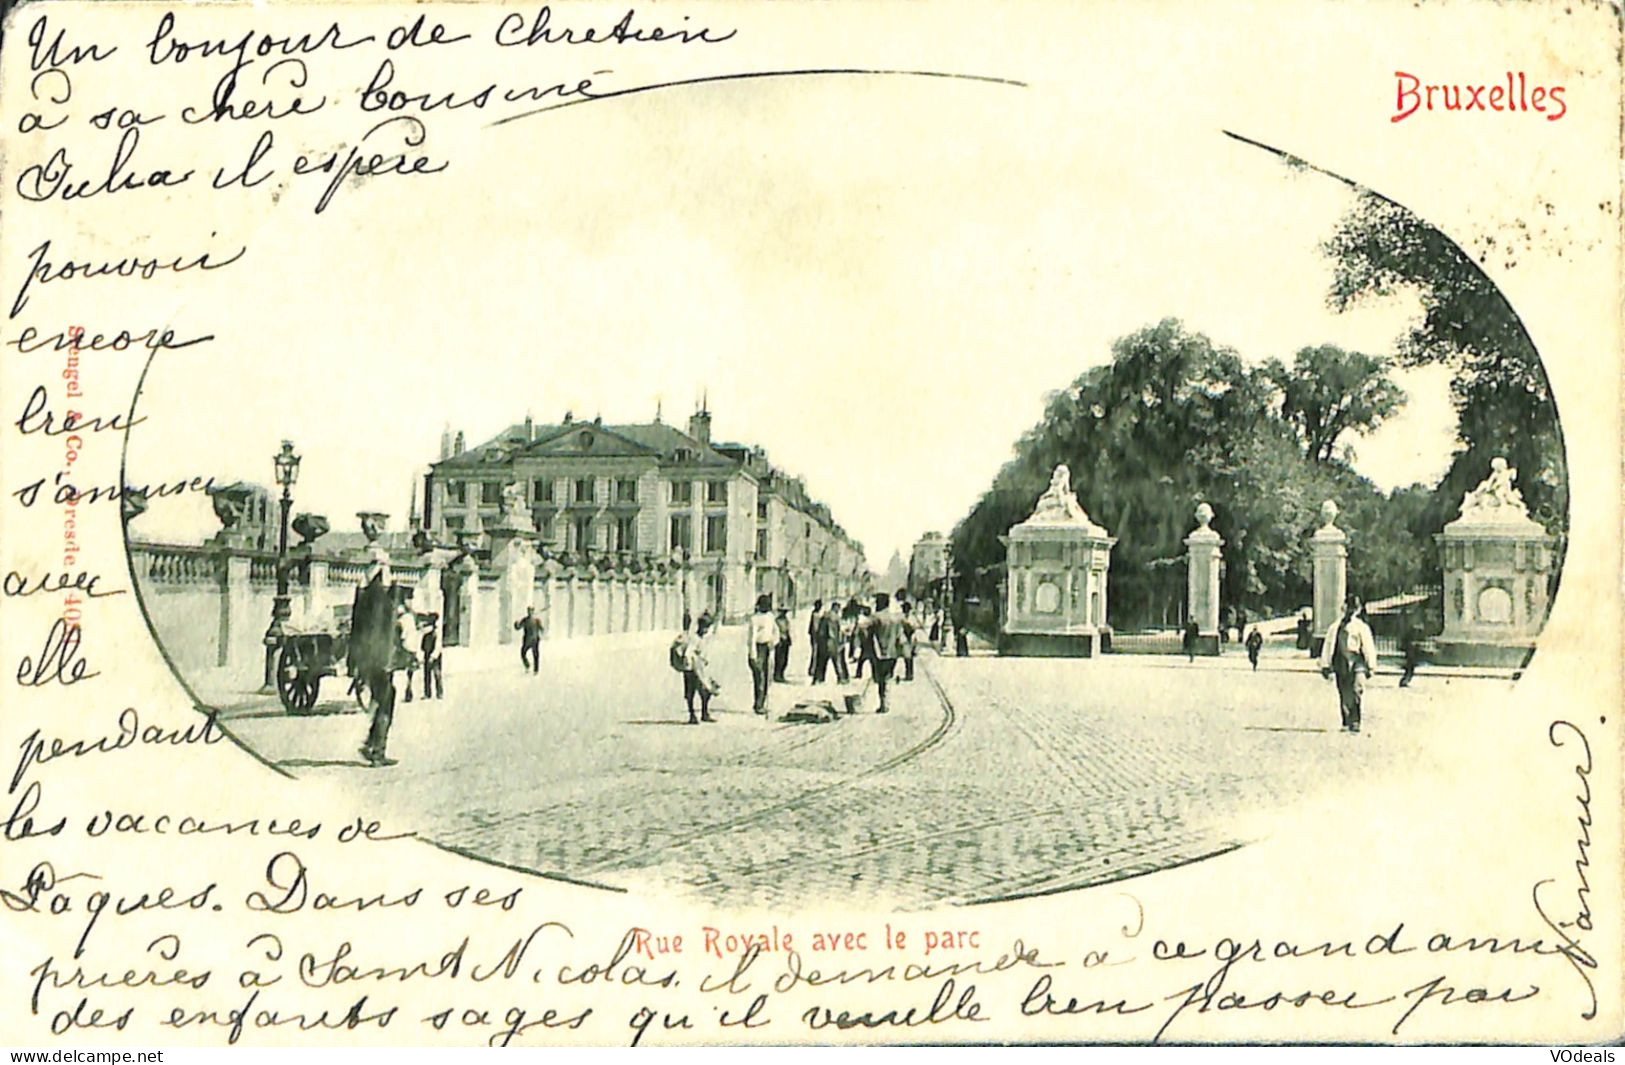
(993, 778)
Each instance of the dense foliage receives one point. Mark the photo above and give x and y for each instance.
(1173, 420)
(1502, 397)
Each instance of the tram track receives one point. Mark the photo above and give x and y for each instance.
(948, 718)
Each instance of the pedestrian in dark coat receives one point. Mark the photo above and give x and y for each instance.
(1411, 648)
(434, 681)
(781, 650)
(812, 637)
(1188, 641)
(831, 653)
(373, 655)
(530, 630)
(1255, 644)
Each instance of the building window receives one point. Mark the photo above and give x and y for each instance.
(542, 490)
(581, 534)
(716, 491)
(626, 534)
(583, 490)
(454, 523)
(681, 532)
(490, 492)
(761, 544)
(626, 490)
(682, 491)
(454, 491)
(716, 534)
(761, 508)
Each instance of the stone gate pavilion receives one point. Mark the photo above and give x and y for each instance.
(1057, 562)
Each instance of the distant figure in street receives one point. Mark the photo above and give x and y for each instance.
(909, 629)
(764, 635)
(884, 640)
(829, 649)
(863, 634)
(1411, 648)
(1348, 656)
(1241, 623)
(373, 656)
(690, 651)
(529, 628)
(781, 650)
(849, 637)
(1188, 641)
(407, 622)
(936, 630)
(1255, 644)
(1306, 632)
(961, 637)
(434, 681)
(812, 637)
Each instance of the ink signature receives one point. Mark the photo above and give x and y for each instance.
(1561, 734)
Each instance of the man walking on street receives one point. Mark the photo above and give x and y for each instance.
(812, 637)
(831, 653)
(1349, 655)
(883, 632)
(764, 636)
(909, 630)
(434, 679)
(374, 655)
(781, 650)
(1410, 646)
(1255, 644)
(529, 628)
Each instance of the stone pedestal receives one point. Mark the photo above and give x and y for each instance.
(1057, 562)
(1497, 564)
(1203, 557)
(1329, 553)
(515, 564)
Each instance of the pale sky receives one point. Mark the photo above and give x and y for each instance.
(877, 280)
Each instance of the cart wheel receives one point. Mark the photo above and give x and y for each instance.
(289, 680)
(310, 692)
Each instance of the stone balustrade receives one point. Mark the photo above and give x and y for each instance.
(210, 605)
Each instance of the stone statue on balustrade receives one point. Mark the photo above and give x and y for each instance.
(372, 524)
(1059, 505)
(515, 508)
(1496, 498)
(243, 511)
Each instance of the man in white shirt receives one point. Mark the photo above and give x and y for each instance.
(1349, 655)
(764, 636)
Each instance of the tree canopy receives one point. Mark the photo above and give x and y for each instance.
(1174, 420)
(1502, 397)
(1328, 392)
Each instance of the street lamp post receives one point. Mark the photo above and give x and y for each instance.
(286, 462)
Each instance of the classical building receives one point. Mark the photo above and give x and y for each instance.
(927, 564)
(651, 489)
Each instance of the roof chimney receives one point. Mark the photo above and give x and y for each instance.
(457, 448)
(445, 443)
(699, 425)
(530, 428)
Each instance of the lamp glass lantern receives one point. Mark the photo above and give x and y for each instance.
(287, 465)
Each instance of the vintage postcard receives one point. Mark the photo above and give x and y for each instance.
(786, 522)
